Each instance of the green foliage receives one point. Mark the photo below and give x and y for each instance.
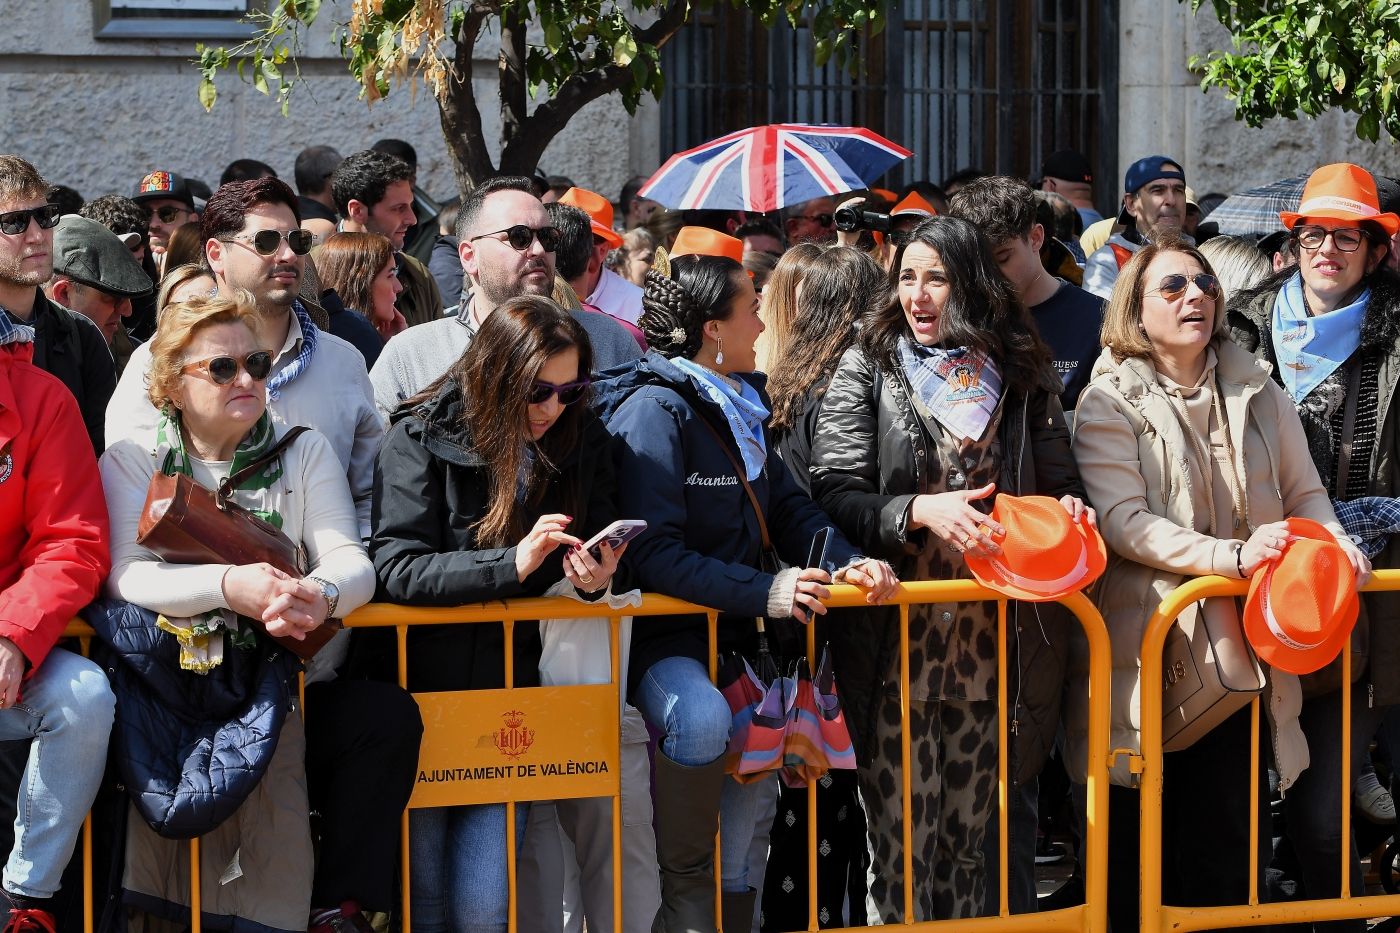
(1308, 56)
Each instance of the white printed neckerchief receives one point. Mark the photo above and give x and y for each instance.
(961, 388)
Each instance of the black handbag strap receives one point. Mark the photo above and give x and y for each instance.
(739, 472)
(1348, 427)
(231, 483)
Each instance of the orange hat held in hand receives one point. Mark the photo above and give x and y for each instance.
(1045, 554)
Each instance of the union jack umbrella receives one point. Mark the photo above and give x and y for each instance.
(769, 167)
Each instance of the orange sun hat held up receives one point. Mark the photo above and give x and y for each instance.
(1045, 554)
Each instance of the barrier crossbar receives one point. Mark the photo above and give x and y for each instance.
(1157, 916)
(1089, 917)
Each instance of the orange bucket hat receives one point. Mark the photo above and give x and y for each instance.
(1341, 191)
(702, 241)
(1314, 589)
(1045, 554)
(599, 210)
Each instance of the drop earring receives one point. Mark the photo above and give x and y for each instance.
(719, 352)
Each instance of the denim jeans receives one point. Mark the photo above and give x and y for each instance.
(676, 696)
(66, 709)
(460, 882)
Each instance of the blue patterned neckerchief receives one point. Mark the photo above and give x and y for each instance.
(1311, 347)
(309, 337)
(12, 332)
(961, 388)
(743, 410)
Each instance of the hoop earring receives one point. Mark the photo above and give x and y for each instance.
(719, 353)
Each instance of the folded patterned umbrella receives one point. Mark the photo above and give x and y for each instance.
(817, 739)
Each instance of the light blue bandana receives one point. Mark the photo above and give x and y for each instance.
(10, 332)
(309, 334)
(1309, 349)
(743, 410)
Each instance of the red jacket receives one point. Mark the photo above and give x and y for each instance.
(53, 518)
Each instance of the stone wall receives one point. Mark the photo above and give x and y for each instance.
(98, 113)
(1164, 111)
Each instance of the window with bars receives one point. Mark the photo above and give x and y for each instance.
(991, 84)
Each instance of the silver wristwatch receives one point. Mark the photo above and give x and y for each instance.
(331, 593)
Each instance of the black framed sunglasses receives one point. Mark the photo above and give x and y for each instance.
(568, 393)
(520, 237)
(16, 222)
(267, 242)
(168, 213)
(221, 370)
(1346, 239)
(1174, 286)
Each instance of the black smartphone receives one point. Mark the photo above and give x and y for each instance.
(817, 554)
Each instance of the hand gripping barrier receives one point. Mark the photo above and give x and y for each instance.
(1157, 916)
(486, 738)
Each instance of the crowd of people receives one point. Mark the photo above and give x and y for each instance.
(438, 404)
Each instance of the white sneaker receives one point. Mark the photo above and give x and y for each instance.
(1373, 800)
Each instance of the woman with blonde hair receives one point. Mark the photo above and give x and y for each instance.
(1238, 263)
(780, 301)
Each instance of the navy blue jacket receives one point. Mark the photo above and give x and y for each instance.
(702, 540)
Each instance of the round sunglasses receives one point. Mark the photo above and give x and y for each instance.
(568, 393)
(1174, 286)
(16, 222)
(520, 237)
(221, 370)
(267, 242)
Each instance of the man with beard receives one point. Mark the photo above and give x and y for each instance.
(361, 734)
(67, 345)
(168, 201)
(506, 244)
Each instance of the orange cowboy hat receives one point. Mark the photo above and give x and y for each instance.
(702, 241)
(599, 210)
(913, 204)
(1315, 582)
(1341, 191)
(1045, 554)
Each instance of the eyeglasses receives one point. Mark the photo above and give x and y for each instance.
(221, 370)
(520, 237)
(568, 393)
(267, 242)
(16, 222)
(1174, 286)
(821, 220)
(1346, 239)
(168, 213)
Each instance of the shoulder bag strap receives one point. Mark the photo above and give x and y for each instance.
(227, 487)
(743, 481)
(1348, 427)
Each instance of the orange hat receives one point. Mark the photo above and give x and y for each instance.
(885, 194)
(1341, 191)
(599, 211)
(702, 241)
(1045, 554)
(1315, 582)
(913, 204)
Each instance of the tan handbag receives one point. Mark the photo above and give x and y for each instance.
(1209, 672)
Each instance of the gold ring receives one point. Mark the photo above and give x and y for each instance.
(586, 579)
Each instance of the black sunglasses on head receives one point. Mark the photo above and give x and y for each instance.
(16, 222)
(568, 393)
(267, 242)
(1174, 286)
(520, 237)
(222, 370)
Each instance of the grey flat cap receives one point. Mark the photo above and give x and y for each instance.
(87, 251)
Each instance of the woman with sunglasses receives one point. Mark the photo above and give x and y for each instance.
(1194, 459)
(208, 378)
(1330, 328)
(487, 485)
(694, 461)
(947, 397)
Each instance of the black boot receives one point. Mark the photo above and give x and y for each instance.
(736, 911)
(687, 817)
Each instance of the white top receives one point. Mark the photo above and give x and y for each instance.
(617, 297)
(332, 395)
(316, 509)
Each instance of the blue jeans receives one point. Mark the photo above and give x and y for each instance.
(65, 708)
(676, 696)
(460, 882)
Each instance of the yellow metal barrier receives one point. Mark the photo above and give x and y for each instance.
(461, 730)
(1156, 916)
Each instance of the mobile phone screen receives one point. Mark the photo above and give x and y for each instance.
(821, 543)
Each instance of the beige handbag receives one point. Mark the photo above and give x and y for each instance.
(1209, 672)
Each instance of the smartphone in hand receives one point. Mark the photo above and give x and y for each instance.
(817, 555)
(616, 535)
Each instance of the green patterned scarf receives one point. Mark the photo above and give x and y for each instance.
(200, 650)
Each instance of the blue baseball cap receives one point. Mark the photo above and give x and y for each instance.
(1150, 169)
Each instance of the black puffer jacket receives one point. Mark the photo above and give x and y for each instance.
(430, 488)
(190, 747)
(867, 464)
(1376, 635)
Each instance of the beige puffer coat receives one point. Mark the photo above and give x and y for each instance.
(1143, 477)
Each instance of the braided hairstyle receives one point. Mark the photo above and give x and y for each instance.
(676, 308)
